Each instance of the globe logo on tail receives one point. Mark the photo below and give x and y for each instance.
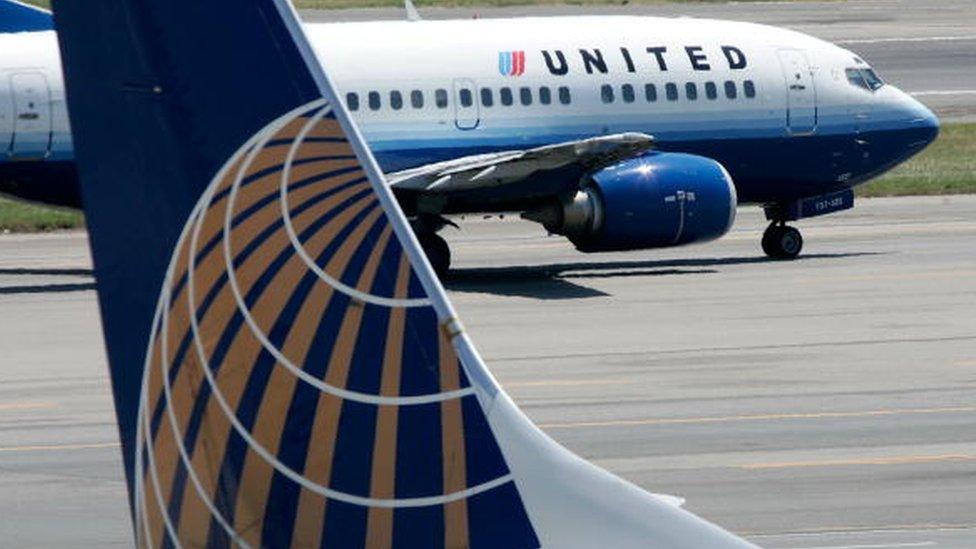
(299, 388)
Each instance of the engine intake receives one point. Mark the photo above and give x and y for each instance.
(654, 201)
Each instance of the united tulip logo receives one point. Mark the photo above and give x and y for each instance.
(511, 63)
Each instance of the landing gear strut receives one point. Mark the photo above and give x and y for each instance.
(437, 251)
(780, 241)
(426, 226)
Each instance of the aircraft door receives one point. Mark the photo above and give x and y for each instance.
(801, 92)
(32, 115)
(466, 112)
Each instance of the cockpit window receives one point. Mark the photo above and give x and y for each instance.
(864, 78)
(872, 78)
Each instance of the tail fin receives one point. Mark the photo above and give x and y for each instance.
(20, 17)
(286, 369)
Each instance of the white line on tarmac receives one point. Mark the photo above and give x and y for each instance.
(908, 39)
(942, 92)
(871, 546)
(58, 447)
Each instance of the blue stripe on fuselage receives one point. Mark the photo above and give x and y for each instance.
(765, 161)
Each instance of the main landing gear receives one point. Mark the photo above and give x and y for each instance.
(780, 241)
(437, 251)
(426, 226)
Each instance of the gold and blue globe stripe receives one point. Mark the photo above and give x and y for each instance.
(300, 389)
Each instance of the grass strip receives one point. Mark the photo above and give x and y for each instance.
(948, 166)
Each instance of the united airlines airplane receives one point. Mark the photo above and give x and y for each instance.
(286, 368)
(620, 133)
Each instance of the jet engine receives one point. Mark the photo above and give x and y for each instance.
(654, 201)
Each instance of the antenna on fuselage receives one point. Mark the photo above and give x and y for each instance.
(412, 13)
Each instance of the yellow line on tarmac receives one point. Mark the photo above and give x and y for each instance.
(58, 447)
(27, 406)
(890, 460)
(757, 417)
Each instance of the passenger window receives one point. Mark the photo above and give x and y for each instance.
(730, 90)
(650, 93)
(749, 89)
(396, 100)
(464, 95)
(671, 91)
(417, 99)
(352, 101)
(564, 96)
(711, 91)
(440, 98)
(487, 98)
(525, 95)
(691, 90)
(627, 92)
(506, 97)
(606, 93)
(374, 101)
(545, 95)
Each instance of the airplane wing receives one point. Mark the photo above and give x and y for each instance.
(515, 166)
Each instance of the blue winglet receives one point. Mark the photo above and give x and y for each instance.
(19, 17)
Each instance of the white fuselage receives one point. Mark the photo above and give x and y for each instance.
(776, 107)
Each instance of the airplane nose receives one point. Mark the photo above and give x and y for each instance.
(920, 126)
(928, 121)
(923, 121)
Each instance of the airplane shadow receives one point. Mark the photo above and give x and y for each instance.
(47, 272)
(555, 281)
(47, 288)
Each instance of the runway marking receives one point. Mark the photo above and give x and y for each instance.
(757, 417)
(567, 382)
(893, 460)
(871, 545)
(960, 38)
(846, 530)
(894, 276)
(58, 447)
(942, 92)
(27, 406)
(732, 349)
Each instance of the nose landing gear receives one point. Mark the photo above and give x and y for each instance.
(780, 241)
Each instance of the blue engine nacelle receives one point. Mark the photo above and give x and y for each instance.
(654, 201)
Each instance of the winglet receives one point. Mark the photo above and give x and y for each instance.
(412, 13)
(20, 17)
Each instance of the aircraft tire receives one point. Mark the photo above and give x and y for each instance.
(437, 252)
(782, 242)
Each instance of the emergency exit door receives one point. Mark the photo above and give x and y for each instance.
(31, 116)
(801, 92)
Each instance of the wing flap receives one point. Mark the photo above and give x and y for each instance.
(512, 167)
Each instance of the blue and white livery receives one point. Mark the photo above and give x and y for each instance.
(617, 132)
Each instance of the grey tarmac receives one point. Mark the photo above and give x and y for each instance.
(824, 402)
